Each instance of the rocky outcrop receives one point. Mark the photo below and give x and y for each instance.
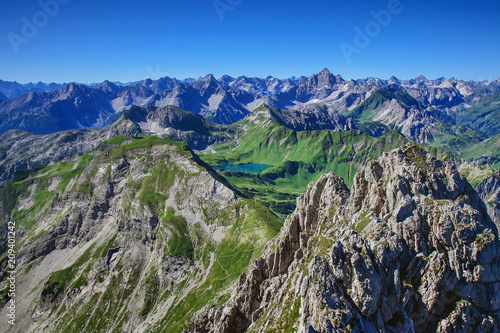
(489, 192)
(410, 248)
(312, 117)
(177, 124)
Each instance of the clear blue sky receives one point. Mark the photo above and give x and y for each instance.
(90, 40)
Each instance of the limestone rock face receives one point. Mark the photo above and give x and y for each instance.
(489, 191)
(410, 248)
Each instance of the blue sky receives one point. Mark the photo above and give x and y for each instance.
(90, 40)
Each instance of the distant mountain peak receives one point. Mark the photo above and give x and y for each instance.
(72, 86)
(108, 86)
(209, 77)
(225, 80)
(325, 71)
(326, 74)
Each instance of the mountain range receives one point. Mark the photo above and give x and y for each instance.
(227, 100)
(311, 204)
(381, 116)
(9, 90)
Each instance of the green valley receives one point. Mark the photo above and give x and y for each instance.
(299, 157)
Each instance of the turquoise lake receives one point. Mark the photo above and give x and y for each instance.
(252, 168)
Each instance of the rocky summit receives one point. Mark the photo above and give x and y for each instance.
(409, 248)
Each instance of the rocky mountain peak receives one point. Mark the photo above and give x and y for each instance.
(70, 87)
(325, 71)
(109, 87)
(326, 74)
(421, 78)
(70, 91)
(225, 80)
(209, 77)
(327, 78)
(394, 80)
(409, 172)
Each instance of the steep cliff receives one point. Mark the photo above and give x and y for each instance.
(489, 191)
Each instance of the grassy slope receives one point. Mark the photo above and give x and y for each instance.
(483, 115)
(488, 151)
(107, 310)
(475, 174)
(456, 138)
